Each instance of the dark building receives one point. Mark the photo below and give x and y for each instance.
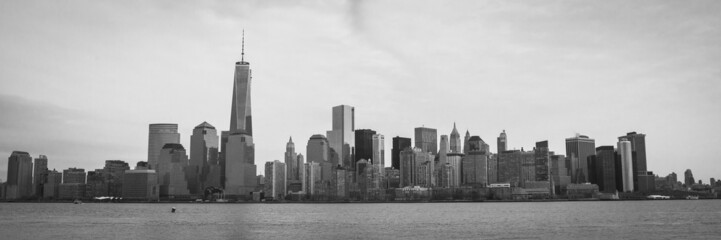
(642, 180)
(542, 159)
(113, 173)
(19, 183)
(688, 178)
(363, 144)
(602, 169)
(502, 142)
(399, 143)
(474, 165)
(426, 139)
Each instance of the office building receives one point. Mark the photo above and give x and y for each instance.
(19, 184)
(578, 149)
(603, 169)
(363, 144)
(51, 187)
(465, 142)
(626, 162)
(379, 152)
(275, 180)
(40, 174)
(342, 137)
(317, 149)
(113, 173)
(643, 181)
(399, 143)
(475, 164)
(170, 171)
(411, 173)
(502, 142)
(455, 143)
(516, 167)
(204, 159)
(160, 134)
(426, 139)
(74, 175)
(688, 179)
(140, 185)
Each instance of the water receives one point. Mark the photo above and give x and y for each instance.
(684, 219)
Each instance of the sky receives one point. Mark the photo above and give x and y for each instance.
(81, 80)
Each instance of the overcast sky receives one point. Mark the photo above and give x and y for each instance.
(81, 80)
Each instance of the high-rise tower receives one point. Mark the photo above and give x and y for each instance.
(160, 134)
(342, 137)
(291, 161)
(455, 143)
(502, 143)
(203, 158)
(578, 149)
(426, 139)
(19, 182)
(240, 168)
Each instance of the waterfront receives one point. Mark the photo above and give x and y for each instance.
(698, 219)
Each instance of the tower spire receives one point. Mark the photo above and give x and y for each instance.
(242, 48)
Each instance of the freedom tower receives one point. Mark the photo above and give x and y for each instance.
(239, 149)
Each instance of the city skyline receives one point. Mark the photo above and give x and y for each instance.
(283, 109)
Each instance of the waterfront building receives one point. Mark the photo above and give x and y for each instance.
(342, 137)
(170, 171)
(71, 191)
(475, 164)
(515, 167)
(204, 156)
(19, 183)
(604, 169)
(140, 185)
(291, 161)
(559, 173)
(317, 149)
(542, 161)
(113, 173)
(502, 142)
(275, 185)
(363, 144)
(96, 185)
(643, 181)
(399, 143)
(626, 164)
(443, 150)
(240, 168)
(160, 134)
(493, 168)
(578, 149)
(455, 141)
(312, 180)
(50, 189)
(40, 174)
(393, 177)
(426, 139)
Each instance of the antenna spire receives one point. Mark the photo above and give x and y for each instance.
(242, 48)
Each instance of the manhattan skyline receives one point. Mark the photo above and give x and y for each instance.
(91, 96)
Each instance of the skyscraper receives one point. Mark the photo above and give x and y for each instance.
(40, 174)
(317, 149)
(364, 144)
(275, 180)
(160, 134)
(578, 149)
(426, 139)
(443, 151)
(624, 151)
(603, 165)
(465, 142)
(19, 182)
(203, 157)
(502, 142)
(171, 177)
(379, 152)
(475, 164)
(688, 179)
(74, 175)
(342, 138)
(240, 168)
(113, 173)
(642, 179)
(399, 143)
(455, 141)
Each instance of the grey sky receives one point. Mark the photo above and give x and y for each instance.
(81, 80)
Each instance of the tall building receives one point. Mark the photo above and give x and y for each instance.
(275, 180)
(465, 142)
(444, 150)
(317, 149)
(475, 164)
(291, 161)
(412, 172)
(19, 183)
(240, 168)
(624, 152)
(603, 169)
(454, 160)
(559, 173)
(342, 138)
(363, 144)
(379, 152)
(511, 166)
(73, 186)
(170, 171)
(160, 134)
(96, 185)
(399, 143)
(642, 179)
(203, 158)
(427, 139)
(40, 174)
(688, 179)
(51, 187)
(455, 141)
(502, 142)
(578, 149)
(312, 178)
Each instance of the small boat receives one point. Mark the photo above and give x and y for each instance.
(77, 201)
(220, 200)
(689, 197)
